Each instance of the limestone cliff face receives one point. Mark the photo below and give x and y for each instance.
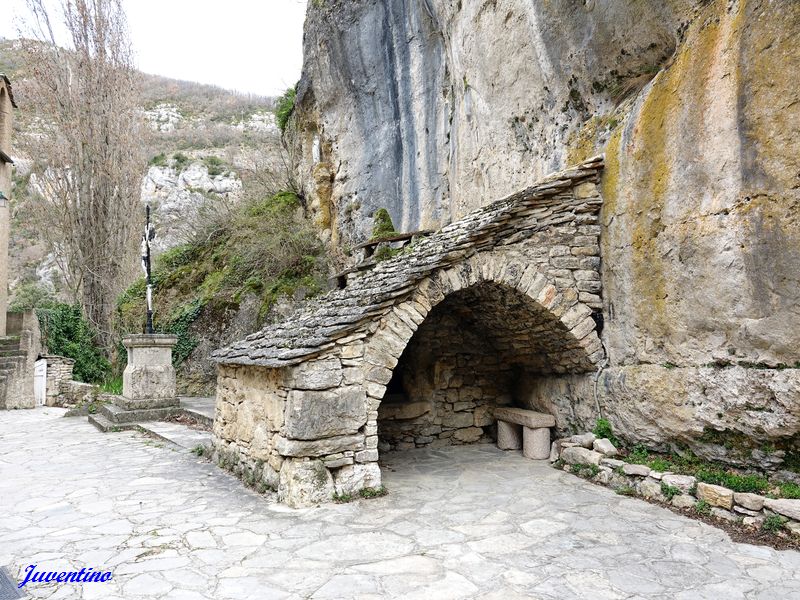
(431, 108)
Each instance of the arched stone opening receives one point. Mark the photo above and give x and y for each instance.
(466, 358)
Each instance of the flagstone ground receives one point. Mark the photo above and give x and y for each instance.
(459, 522)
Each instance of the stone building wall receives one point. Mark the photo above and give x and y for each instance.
(18, 389)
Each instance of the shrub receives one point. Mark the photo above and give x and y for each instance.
(702, 507)
(66, 333)
(669, 491)
(373, 492)
(584, 470)
(773, 523)
(285, 107)
(659, 464)
(738, 483)
(638, 455)
(31, 295)
(181, 161)
(214, 165)
(159, 160)
(112, 385)
(602, 429)
(386, 252)
(382, 226)
(789, 490)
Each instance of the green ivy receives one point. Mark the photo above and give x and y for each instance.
(179, 324)
(66, 333)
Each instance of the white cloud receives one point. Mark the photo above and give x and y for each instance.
(246, 45)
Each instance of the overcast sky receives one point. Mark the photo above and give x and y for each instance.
(246, 45)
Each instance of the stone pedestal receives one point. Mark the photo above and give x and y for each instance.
(148, 381)
(509, 436)
(536, 443)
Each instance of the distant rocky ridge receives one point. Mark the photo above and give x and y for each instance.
(203, 136)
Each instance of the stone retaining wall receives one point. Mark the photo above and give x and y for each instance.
(595, 457)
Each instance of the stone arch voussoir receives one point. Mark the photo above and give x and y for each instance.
(398, 326)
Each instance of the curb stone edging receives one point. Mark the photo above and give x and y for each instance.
(679, 491)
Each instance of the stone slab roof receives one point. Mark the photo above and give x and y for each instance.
(342, 312)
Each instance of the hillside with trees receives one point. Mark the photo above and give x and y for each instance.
(234, 247)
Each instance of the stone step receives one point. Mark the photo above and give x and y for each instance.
(178, 434)
(115, 414)
(14, 352)
(9, 344)
(201, 418)
(12, 361)
(105, 425)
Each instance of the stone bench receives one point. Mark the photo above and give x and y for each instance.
(527, 429)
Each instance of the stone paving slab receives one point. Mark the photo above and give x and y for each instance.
(461, 522)
(178, 434)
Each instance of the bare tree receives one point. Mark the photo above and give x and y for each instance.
(89, 149)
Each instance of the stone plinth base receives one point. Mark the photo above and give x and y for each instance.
(148, 381)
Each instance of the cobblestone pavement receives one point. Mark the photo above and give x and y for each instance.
(467, 522)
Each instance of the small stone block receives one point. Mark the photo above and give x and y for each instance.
(605, 447)
(715, 495)
(638, 470)
(684, 501)
(749, 501)
(580, 456)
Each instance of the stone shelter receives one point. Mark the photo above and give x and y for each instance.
(420, 350)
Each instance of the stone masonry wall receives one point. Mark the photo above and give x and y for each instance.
(451, 381)
(298, 403)
(59, 371)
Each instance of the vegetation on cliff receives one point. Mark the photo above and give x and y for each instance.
(262, 250)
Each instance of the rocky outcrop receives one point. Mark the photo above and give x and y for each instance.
(433, 107)
(179, 197)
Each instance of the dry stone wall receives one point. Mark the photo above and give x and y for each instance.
(448, 382)
(298, 403)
